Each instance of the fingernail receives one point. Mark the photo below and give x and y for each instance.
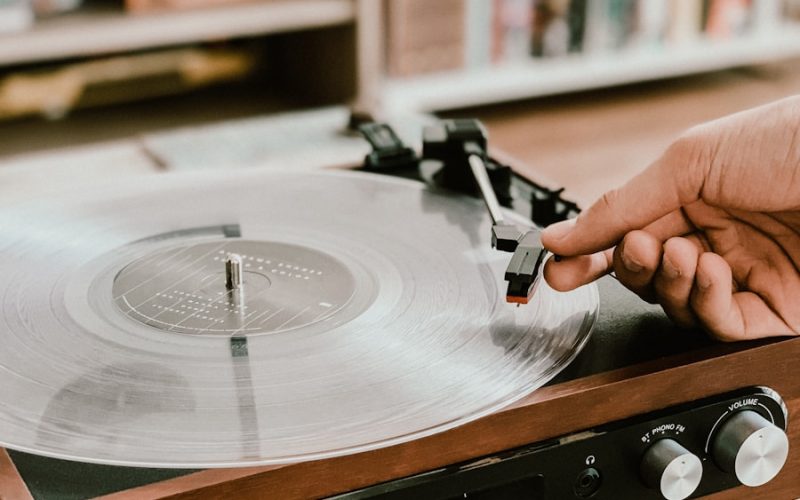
(670, 270)
(631, 264)
(559, 230)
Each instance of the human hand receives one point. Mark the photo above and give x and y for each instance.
(710, 230)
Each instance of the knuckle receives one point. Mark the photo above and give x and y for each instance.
(611, 204)
(608, 203)
(689, 159)
(685, 147)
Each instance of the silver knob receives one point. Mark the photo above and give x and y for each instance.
(672, 469)
(750, 446)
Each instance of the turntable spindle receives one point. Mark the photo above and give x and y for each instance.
(233, 271)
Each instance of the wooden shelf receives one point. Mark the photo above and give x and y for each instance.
(547, 77)
(107, 31)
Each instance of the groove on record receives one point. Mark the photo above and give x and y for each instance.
(413, 338)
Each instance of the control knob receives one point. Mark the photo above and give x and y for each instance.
(672, 469)
(750, 446)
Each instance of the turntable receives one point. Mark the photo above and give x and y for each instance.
(355, 335)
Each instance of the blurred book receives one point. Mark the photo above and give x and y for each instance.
(652, 21)
(727, 18)
(576, 18)
(478, 42)
(15, 15)
(515, 20)
(597, 26)
(498, 40)
(685, 21)
(426, 36)
(792, 9)
(767, 15)
(51, 7)
(623, 22)
(551, 31)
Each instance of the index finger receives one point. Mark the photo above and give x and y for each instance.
(672, 181)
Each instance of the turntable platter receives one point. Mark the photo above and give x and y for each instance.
(370, 312)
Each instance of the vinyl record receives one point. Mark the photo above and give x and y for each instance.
(371, 313)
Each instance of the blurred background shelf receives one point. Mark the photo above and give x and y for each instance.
(465, 53)
(106, 28)
(541, 77)
(114, 69)
(125, 67)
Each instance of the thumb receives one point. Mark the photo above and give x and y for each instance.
(674, 180)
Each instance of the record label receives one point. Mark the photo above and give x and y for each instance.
(183, 289)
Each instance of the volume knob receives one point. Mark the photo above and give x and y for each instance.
(672, 469)
(752, 447)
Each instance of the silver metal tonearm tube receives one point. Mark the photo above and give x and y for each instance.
(487, 191)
